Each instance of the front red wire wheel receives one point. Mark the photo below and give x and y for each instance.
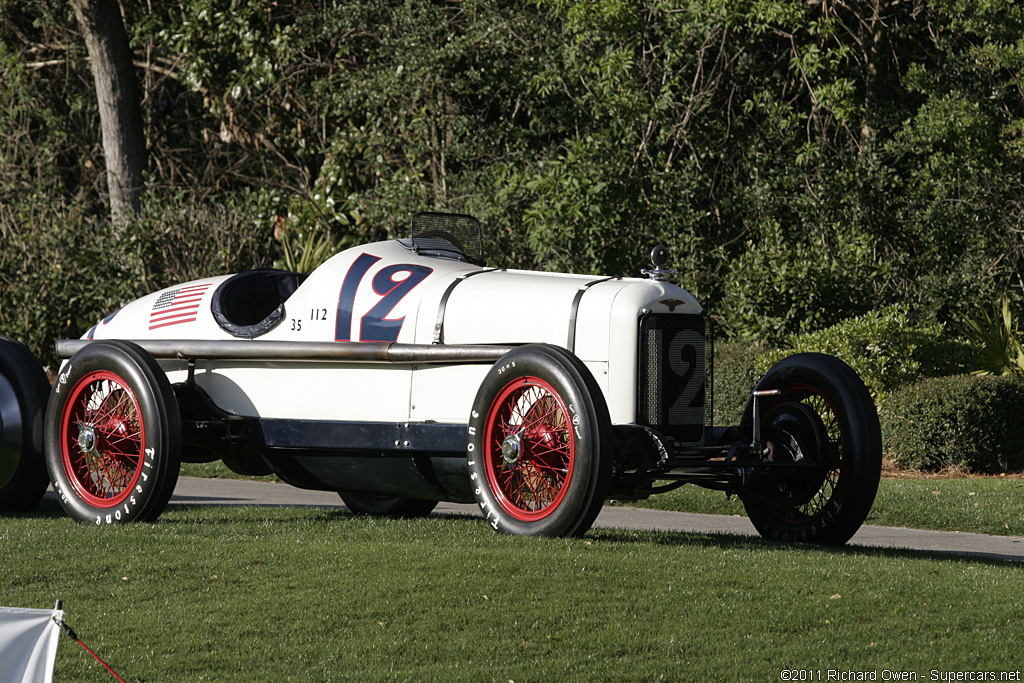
(530, 449)
(102, 439)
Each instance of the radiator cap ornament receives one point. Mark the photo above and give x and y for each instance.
(659, 258)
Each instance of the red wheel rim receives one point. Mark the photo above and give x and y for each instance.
(102, 440)
(814, 399)
(530, 449)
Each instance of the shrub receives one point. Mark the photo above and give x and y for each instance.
(735, 374)
(63, 267)
(884, 347)
(61, 270)
(969, 422)
(997, 339)
(783, 285)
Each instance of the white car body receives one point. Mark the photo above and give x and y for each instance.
(487, 307)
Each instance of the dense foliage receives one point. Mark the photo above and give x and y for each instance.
(806, 161)
(967, 422)
(885, 348)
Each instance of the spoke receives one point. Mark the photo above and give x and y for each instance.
(108, 409)
(535, 478)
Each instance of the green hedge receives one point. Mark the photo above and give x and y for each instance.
(885, 348)
(967, 422)
(62, 268)
(735, 374)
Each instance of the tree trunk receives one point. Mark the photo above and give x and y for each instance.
(124, 144)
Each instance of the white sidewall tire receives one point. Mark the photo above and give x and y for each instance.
(583, 494)
(139, 375)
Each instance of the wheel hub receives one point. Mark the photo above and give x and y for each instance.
(511, 450)
(86, 438)
(807, 442)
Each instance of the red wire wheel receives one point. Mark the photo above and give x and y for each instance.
(102, 439)
(826, 411)
(113, 435)
(530, 449)
(539, 447)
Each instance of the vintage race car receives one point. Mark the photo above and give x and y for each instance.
(404, 373)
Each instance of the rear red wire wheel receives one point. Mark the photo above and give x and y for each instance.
(113, 435)
(102, 439)
(530, 449)
(539, 444)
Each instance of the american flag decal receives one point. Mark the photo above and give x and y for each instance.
(177, 306)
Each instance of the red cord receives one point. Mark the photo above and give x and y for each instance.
(96, 657)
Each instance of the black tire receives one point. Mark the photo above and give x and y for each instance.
(113, 446)
(539, 448)
(23, 393)
(825, 413)
(386, 506)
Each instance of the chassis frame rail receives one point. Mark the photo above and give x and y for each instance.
(379, 352)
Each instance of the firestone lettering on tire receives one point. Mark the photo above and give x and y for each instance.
(62, 379)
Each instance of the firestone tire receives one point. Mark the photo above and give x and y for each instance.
(826, 408)
(23, 393)
(113, 446)
(539, 447)
(386, 506)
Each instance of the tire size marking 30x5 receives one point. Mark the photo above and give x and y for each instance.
(387, 283)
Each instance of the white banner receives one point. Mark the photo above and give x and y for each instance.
(28, 644)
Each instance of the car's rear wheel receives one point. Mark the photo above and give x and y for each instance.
(23, 392)
(386, 506)
(113, 429)
(539, 446)
(823, 418)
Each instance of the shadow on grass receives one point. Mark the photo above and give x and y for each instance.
(727, 541)
(48, 508)
(185, 515)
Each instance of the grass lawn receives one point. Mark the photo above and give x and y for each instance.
(985, 505)
(280, 594)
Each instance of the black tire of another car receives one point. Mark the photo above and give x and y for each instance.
(113, 446)
(539, 446)
(830, 503)
(23, 393)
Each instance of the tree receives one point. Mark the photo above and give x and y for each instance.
(124, 144)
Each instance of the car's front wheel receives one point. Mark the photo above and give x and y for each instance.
(823, 419)
(539, 444)
(113, 447)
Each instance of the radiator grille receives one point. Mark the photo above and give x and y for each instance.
(674, 377)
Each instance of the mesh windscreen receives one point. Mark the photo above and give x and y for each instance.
(448, 232)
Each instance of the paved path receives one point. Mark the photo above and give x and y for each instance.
(196, 491)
